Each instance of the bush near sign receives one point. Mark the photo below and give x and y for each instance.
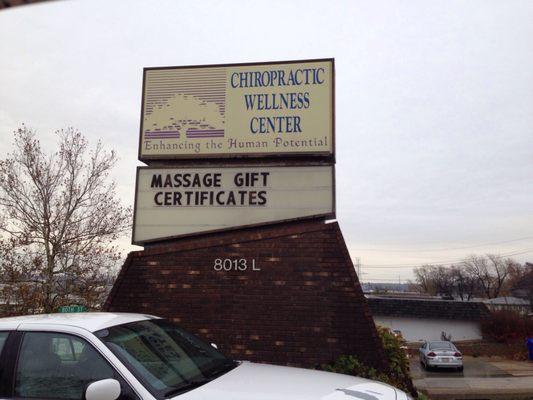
(238, 110)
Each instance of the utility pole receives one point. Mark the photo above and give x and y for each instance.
(358, 267)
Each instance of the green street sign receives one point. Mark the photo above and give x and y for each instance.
(72, 309)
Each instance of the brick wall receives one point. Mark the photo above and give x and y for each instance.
(304, 307)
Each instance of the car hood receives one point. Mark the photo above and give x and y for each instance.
(250, 381)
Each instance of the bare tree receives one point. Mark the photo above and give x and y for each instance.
(500, 269)
(491, 272)
(60, 213)
(521, 282)
(464, 284)
(434, 280)
(425, 279)
(444, 281)
(527, 288)
(487, 276)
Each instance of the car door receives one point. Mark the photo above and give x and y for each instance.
(59, 366)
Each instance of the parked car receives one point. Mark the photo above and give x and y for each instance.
(110, 356)
(440, 354)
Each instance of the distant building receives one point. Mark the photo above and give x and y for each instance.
(429, 319)
(381, 287)
(524, 288)
(508, 303)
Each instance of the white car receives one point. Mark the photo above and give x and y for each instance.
(109, 356)
(440, 354)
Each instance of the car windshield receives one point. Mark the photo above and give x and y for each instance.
(440, 345)
(165, 358)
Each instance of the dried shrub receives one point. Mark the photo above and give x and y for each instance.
(519, 356)
(507, 327)
(397, 373)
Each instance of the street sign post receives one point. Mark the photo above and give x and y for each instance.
(72, 309)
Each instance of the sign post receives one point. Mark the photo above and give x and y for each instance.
(72, 309)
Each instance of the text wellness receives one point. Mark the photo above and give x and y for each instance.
(296, 100)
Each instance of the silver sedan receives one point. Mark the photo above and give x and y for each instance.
(440, 354)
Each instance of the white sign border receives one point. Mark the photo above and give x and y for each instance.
(329, 155)
(331, 215)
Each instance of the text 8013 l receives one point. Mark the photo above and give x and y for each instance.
(235, 264)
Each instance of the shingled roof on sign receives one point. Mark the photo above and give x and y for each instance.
(434, 309)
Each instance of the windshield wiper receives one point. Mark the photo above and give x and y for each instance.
(185, 387)
(189, 385)
(223, 368)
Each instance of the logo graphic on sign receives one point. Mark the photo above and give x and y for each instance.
(264, 109)
(199, 97)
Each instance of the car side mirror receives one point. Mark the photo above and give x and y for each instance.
(105, 389)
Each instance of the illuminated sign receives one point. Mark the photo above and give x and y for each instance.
(238, 110)
(173, 202)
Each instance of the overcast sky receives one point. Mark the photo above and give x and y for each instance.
(434, 103)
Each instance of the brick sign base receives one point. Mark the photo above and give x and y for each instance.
(295, 300)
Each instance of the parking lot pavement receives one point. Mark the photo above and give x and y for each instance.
(473, 367)
(481, 378)
(515, 368)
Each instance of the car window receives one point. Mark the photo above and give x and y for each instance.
(440, 345)
(67, 349)
(57, 365)
(3, 337)
(164, 357)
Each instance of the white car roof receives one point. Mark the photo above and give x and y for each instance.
(91, 321)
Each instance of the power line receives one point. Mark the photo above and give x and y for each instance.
(358, 266)
(444, 249)
(443, 263)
